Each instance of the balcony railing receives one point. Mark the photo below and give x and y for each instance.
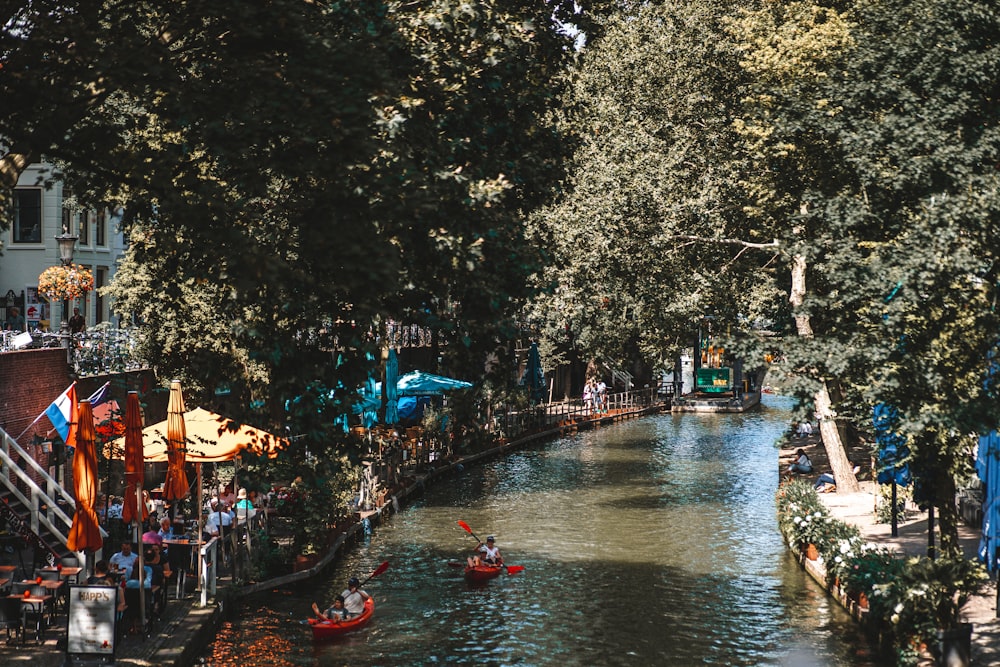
(98, 351)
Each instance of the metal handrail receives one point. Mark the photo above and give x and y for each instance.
(43, 504)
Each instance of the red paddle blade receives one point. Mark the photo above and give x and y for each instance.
(514, 569)
(465, 527)
(380, 569)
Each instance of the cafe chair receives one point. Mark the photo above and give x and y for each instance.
(11, 618)
(70, 561)
(131, 619)
(31, 613)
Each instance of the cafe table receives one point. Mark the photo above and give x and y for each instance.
(55, 588)
(66, 572)
(33, 605)
(179, 556)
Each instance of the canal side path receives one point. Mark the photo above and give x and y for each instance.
(185, 628)
(911, 540)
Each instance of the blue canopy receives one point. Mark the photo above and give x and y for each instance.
(534, 377)
(418, 383)
(392, 391)
(988, 467)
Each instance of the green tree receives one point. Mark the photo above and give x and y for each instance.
(648, 235)
(913, 116)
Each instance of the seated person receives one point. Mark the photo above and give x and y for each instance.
(133, 578)
(121, 563)
(166, 531)
(335, 613)
(102, 577)
(826, 483)
(802, 463)
(244, 508)
(487, 553)
(823, 481)
(220, 516)
(161, 572)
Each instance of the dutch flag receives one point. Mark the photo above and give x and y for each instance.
(62, 414)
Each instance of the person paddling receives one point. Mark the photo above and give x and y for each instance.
(488, 553)
(354, 598)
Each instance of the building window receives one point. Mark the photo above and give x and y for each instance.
(100, 229)
(27, 216)
(84, 235)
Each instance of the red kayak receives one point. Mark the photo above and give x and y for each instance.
(480, 573)
(327, 629)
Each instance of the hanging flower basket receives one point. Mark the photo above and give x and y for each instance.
(59, 283)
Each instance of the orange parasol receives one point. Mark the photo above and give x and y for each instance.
(133, 507)
(85, 534)
(176, 485)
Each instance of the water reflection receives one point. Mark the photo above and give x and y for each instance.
(651, 542)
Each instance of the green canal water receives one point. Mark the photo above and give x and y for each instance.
(650, 542)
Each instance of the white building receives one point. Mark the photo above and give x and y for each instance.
(30, 247)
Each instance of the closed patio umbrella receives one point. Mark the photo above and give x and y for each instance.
(85, 534)
(533, 378)
(133, 509)
(176, 485)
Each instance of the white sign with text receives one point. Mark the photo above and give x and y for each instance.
(91, 626)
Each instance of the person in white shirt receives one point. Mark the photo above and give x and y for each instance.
(488, 553)
(802, 463)
(220, 516)
(354, 598)
(123, 561)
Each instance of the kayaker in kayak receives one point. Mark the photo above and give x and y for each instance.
(354, 598)
(335, 613)
(488, 554)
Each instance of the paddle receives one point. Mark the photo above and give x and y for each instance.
(511, 569)
(378, 570)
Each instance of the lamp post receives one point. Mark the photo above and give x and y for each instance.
(67, 243)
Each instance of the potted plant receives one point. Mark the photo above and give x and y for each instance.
(922, 602)
(803, 519)
(865, 568)
(844, 542)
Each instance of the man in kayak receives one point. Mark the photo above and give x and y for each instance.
(354, 598)
(488, 554)
(336, 613)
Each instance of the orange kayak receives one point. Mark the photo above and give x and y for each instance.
(480, 573)
(327, 629)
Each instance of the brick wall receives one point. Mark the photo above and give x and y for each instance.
(31, 379)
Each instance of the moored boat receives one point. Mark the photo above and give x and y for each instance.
(480, 573)
(327, 629)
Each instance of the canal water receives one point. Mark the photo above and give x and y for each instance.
(649, 542)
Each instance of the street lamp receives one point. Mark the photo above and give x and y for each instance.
(66, 242)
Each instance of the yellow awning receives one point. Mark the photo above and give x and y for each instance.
(205, 442)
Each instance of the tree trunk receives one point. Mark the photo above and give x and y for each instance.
(944, 501)
(840, 465)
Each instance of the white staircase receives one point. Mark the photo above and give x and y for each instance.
(41, 516)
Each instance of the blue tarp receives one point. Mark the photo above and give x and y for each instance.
(988, 467)
(418, 383)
